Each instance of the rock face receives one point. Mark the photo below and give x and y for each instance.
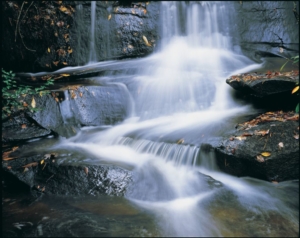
(54, 177)
(267, 28)
(59, 34)
(266, 147)
(64, 111)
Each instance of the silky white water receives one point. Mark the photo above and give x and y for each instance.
(180, 99)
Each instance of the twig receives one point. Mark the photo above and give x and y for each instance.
(19, 28)
(18, 21)
(49, 178)
(266, 143)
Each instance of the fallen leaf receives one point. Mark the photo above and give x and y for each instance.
(109, 17)
(47, 156)
(280, 49)
(48, 50)
(42, 161)
(65, 75)
(145, 11)
(25, 104)
(241, 137)
(133, 11)
(296, 136)
(86, 170)
(262, 132)
(33, 103)
(70, 51)
(295, 89)
(247, 134)
(65, 63)
(280, 145)
(55, 63)
(30, 165)
(25, 170)
(73, 95)
(180, 141)
(146, 41)
(260, 159)
(56, 99)
(24, 126)
(60, 23)
(265, 154)
(80, 94)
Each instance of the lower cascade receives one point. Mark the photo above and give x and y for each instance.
(178, 100)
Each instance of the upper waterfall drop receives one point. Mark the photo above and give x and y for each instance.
(93, 54)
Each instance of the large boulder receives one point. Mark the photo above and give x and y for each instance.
(50, 175)
(266, 147)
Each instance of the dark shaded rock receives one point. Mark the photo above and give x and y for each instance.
(54, 177)
(241, 153)
(21, 128)
(52, 35)
(264, 84)
(271, 90)
(267, 28)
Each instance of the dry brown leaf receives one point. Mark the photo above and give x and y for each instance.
(262, 132)
(25, 104)
(265, 154)
(86, 170)
(55, 63)
(30, 165)
(70, 51)
(280, 145)
(64, 63)
(260, 159)
(24, 126)
(145, 11)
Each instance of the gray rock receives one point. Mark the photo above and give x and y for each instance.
(240, 154)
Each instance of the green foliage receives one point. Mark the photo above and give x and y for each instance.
(294, 59)
(13, 95)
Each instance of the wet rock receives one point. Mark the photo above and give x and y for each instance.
(267, 28)
(21, 128)
(53, 35)
(271, 90)
(266, 147)
(64, 111)
(52, 176)
(261, 85)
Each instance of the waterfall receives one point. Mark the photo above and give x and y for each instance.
(93, 54)
(180, 100)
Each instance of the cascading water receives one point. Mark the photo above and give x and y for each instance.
(180, 96)
(93, 55)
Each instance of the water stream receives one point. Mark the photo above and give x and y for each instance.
(179, 95)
